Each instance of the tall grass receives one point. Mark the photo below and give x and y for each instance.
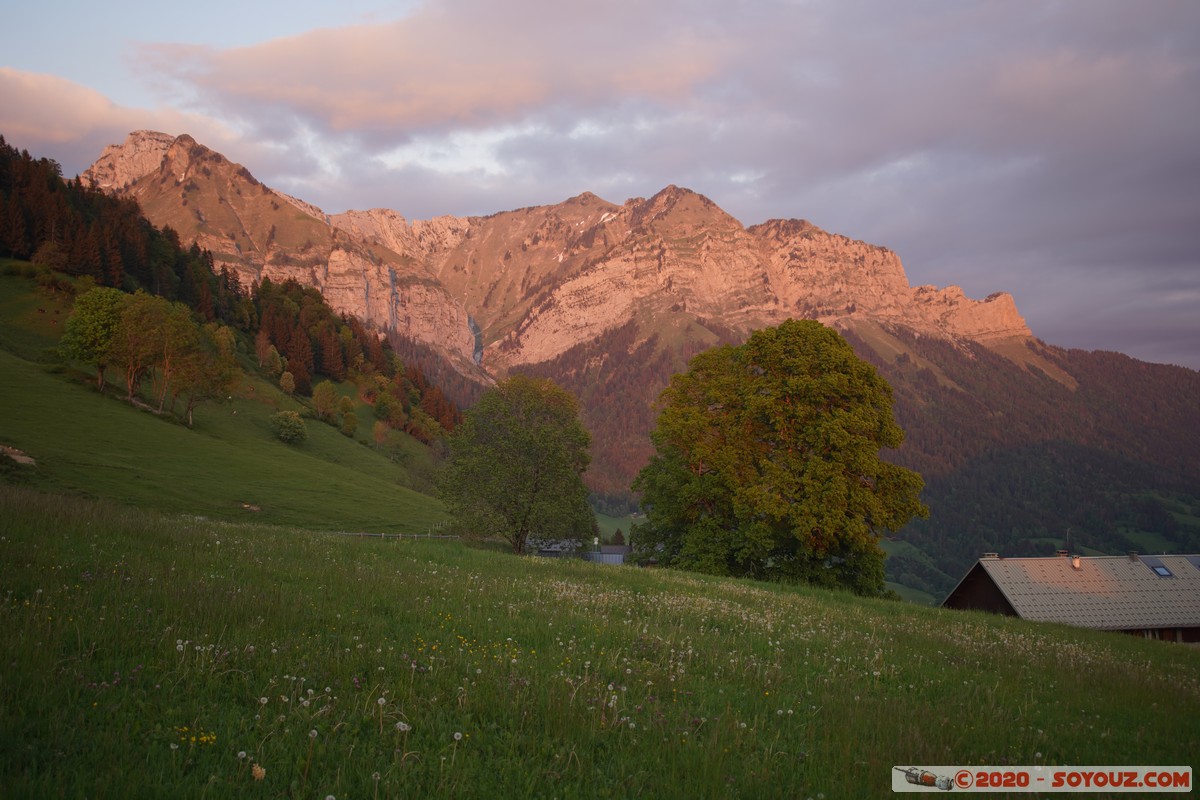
(161, 656)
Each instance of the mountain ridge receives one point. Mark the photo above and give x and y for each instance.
(1025, 447)
(536, 280)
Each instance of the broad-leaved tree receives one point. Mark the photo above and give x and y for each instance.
(516, 465)
(768, 464)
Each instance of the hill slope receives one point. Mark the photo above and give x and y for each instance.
(228, 466)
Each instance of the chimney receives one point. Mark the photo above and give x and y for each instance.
(1061, 553)
(1133, 556)
(1076, 562)
(990, 555)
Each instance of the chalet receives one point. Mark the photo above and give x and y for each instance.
(1153, 596)
(573, 548)
(609, 554)
(553, 548)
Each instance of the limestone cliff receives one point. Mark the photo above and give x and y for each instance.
(259, 233)
(535, 282)
(540, 280)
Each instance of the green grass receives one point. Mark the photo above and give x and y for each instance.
(31, 320)
(161, 638)
(1150, 541)
(160, 656)
(228, 466)
(609, 525)
(911, 595)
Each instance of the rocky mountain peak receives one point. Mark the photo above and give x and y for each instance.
(120, 165)
(681, 208)
(782, 230)
(537, 281)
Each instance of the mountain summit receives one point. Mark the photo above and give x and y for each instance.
(537, 281)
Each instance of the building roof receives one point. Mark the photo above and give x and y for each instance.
(1107, 592)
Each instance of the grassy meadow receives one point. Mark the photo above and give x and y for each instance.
(165, 656)
(180, 619)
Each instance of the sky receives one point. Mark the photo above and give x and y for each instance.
(1047, 149)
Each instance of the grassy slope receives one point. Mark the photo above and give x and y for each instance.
(145, 654)
(97, 445)
(139, 646)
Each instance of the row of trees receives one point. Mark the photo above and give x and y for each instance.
(766, 464)
(299, 333)
(73, 228)
(145, 336)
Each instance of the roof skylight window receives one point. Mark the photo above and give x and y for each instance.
(1162, 571)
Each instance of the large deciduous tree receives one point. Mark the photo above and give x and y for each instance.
(208, 371)
(91, 328)
(768, 463)
(138, 341)
(516, 465)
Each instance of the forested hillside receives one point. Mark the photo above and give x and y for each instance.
(77, 237)
(1103, 459)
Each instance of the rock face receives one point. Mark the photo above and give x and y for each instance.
(535, 282)
(260, 233)
(120, 165)
(540, 280)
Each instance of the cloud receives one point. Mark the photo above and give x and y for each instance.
(56, 118)
(464, 64)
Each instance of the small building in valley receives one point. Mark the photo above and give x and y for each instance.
(1153, 596)
(609, 554)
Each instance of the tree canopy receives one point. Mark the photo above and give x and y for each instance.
(92, 327)
(143, 334)
(516, 465)
(768, 463)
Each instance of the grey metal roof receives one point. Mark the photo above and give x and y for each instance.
(1109, 592)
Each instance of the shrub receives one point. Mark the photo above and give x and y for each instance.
(288, 427)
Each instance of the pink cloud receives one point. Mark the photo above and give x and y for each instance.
(468, 63)
(46, 108)
(56, 118)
